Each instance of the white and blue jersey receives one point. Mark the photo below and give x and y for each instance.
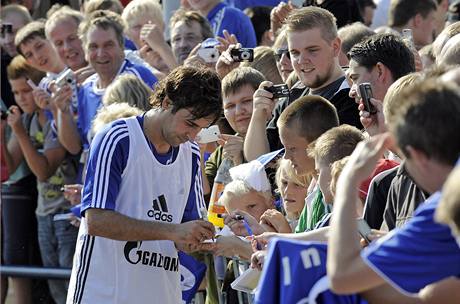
(223, 17)
(127, 175)
(90, 97)
(420, 253)
(295, 272)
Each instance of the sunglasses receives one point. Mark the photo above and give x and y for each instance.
(280, 52)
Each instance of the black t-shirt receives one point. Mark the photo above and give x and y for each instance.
(404, 197)
(377, 198)
(347, 109)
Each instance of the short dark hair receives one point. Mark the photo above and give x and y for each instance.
(401, 11)
(188, 17)
(310, 115)
(387, 49)
(28, 32)
(239, 78)
(197, 89)
(105, 20)
(426, 116)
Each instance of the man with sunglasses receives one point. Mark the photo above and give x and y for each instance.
(314, 50)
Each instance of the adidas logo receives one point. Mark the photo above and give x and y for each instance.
(159, 210)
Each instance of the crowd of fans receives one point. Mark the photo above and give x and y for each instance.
(305, 160)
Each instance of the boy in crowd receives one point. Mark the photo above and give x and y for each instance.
(314, 49)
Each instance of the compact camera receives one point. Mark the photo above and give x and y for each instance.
(242, 54)
(209, 55)
(365, 91)
(278, 90)
(67, 77)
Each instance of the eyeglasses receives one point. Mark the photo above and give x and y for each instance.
(279, 53)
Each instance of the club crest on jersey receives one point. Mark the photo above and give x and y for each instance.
(159, 210)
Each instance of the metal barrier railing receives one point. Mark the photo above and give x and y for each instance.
(36, 272)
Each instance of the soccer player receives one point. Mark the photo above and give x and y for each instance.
(142, 196)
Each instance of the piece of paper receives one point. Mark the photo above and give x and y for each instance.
(247, 281)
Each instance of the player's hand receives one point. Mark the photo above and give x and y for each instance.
(225, 64)
(276, 221)
(193, 232)
(232, 147)
(228, 246)
(373, 123)
(263, 103)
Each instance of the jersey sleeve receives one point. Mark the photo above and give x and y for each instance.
(420, 253)
(107, 160)
(195, 201)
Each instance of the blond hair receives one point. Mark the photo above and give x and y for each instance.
(62, 14)
(335, 144)
(238, 188)
(312, 17)
(286, 166)
(112, 112)
(128, 89)
(395, 90)
(137, 8)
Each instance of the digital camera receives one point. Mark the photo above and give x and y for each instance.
(67, 77)
(278, 90)
(242, 54)
(365, 91)
(209, 55)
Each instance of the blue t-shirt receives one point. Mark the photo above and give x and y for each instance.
(118, 156)
(90, 97)
(420, 253)
(235, 22)
(295, 272)
(242, 4)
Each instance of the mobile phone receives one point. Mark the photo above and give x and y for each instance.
(363, 229)
(208, 135)
(408, 38)
(31, 84)
(365, 92)
(209, 55)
